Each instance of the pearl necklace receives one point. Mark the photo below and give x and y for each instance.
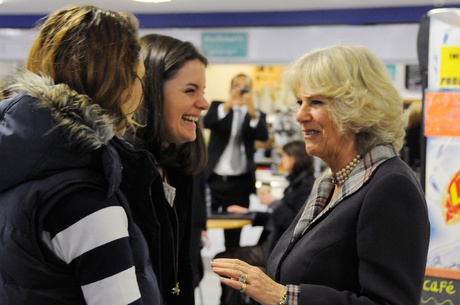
(342, 175)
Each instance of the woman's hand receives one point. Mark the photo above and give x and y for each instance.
(237, 209)
(248, 279)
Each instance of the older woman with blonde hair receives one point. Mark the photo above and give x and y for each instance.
(362, 236)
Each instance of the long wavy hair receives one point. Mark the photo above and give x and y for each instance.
(92, 50)
(164, 57)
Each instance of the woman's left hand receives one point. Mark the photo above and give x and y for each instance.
(248, 279)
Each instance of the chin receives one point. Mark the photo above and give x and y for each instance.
(192, 139)
(186, 140)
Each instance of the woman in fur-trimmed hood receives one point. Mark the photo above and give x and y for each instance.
(66, 224)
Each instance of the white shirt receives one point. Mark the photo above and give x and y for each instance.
(223, 167)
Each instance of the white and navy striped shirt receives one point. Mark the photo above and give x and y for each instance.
(91, 236)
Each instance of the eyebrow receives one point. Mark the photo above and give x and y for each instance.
(193, 85)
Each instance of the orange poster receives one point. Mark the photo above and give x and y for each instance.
(268, 76)
(442, 114)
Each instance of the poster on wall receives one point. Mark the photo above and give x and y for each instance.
(442, 110)
(444, 49)
(443, 199)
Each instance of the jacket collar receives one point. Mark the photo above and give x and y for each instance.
(47, 128)
(86, 123)
(317, 203)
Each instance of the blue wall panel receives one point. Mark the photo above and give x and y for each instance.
(411, 14)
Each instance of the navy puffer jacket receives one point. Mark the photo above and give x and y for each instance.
(53, 142)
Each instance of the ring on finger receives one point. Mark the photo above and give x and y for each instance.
(243, 287)
(243, 277)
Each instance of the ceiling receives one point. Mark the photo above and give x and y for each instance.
(28, 7)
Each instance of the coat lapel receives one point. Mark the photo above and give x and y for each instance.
(317, 203)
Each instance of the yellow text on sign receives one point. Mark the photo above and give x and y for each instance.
(449, 72)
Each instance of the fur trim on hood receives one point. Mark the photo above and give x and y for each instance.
(46, 128)
(86, 123)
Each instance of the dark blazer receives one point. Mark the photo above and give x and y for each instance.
(369, 249)
(220, 135)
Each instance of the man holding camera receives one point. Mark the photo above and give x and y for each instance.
(235, 125)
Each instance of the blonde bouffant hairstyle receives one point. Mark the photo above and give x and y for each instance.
(363, 98)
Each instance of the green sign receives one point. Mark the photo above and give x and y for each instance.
(224, 44)
(392, 70)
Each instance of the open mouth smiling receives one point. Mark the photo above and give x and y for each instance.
(190, 118)
(310, 132)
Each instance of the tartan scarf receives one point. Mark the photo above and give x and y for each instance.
(317, 204)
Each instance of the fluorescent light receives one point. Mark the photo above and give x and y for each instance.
(149, 1)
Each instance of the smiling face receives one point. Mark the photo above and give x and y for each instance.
(184, 102)
(321, 135)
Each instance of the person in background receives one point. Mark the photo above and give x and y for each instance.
(174, 86)
(414, 135)
(298, 166)
(362, 237)
(68, 235)
(234, 126)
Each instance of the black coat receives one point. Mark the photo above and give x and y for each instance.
(157, 221)
(369, 249)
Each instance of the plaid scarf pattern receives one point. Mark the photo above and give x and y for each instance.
(317, 201)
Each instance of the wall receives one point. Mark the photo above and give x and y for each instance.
(270, 45)
(393, 44)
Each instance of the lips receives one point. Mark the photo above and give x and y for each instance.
(310, 132)
(190, 118)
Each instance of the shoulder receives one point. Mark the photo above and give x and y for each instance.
(214, 106)
(394, 184)
(79, 204)
(395, 168)
(23, 107)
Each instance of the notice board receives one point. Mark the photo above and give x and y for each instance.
(441, 286)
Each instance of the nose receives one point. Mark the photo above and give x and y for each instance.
(202, 103)
(303, 113)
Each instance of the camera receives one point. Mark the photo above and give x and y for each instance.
(244, 90)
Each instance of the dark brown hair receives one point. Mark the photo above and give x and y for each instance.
(164, 57)
(303, 161)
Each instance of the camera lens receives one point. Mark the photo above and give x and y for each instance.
(244, 90)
